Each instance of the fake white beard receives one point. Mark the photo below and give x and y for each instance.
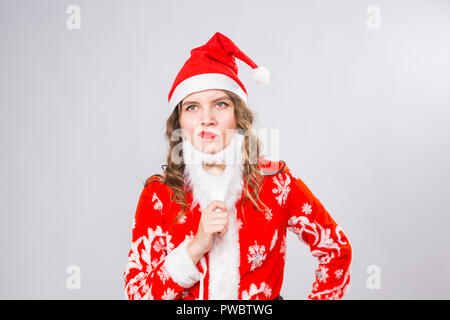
(224, 257)
(207, 187)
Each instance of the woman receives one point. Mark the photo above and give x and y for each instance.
(213, 225)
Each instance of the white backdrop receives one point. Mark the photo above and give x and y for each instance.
(359, 93)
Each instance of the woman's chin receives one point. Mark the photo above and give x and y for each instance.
(209, 148)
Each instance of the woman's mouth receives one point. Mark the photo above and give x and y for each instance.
(207, 135)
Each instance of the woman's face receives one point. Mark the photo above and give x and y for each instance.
(207, 118)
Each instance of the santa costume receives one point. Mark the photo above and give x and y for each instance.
(248, 261)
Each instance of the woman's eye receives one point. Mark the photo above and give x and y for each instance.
(190, 107)
(223, 103)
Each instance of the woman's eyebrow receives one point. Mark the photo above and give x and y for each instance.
(220, 98)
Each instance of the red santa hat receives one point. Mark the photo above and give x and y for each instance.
(213, 66)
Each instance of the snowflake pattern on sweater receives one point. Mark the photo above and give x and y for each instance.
(159, 267)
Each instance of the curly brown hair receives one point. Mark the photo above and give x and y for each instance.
(252, 176)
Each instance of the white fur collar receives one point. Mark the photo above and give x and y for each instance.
(224, 257)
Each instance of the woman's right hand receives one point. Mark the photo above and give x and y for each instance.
(211, 222)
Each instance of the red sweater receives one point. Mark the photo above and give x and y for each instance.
(159, 266)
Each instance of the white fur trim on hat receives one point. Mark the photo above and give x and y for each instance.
(205, 81)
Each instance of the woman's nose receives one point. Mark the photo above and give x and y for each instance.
(207, 118)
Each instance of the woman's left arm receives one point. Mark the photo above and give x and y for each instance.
(311, 222)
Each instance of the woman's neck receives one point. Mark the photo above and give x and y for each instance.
(214, 169)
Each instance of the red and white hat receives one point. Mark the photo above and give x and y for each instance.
(213, 66)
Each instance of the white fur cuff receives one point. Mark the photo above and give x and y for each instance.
(181, 267)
